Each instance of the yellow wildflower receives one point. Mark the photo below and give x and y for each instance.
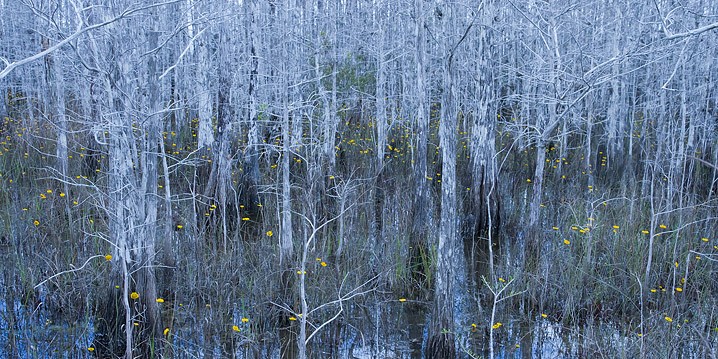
(668, 319)
(402, 300)
(108, 257)
(235, 328)
(566, 242)
(90, 349)
(36, 223)
(135, 295)
(324, 264)
(544, 315)
(159, 300)
(166, 331)
(245, 320)
(270, 233)
(497, 325)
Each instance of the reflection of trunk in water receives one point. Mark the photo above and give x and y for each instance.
(287, 328)
(287, 338)
(8, 283)
(415, 324)
(527, 339)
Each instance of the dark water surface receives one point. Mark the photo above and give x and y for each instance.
(401, 334)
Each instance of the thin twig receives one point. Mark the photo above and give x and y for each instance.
(69, 270)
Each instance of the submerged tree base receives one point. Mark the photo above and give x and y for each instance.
(441, 346)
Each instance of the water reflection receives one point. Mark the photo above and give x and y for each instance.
(400, 332)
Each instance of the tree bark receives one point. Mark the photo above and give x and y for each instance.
(441, 341)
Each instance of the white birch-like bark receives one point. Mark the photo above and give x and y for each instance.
(482, 145)
(286, 244)
(381, 121)
(205, 132)
(422, 213)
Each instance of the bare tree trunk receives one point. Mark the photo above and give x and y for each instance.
(56, 81)
(225, 136)
(616, 113)
(286, 239)
(381, 124)
(151, 328)
(421, 205)
(441, 340)
(485, 199)
(328, 101)
(132, 203)
(547, 123)
(205, 132)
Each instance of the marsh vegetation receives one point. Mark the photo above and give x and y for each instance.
(387, 179)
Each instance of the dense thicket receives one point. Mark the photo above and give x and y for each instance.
(243, 177)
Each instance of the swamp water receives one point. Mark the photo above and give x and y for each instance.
(401, 334)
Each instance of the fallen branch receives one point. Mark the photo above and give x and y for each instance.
(69, 270)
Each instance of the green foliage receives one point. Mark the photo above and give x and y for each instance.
(354, 73)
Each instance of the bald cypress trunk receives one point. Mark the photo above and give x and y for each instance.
(441, 340)
(421, 205)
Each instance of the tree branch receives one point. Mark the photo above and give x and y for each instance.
(10, 66)
(189, 46)
(711, 165)
(692, 32)
(69, 270)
